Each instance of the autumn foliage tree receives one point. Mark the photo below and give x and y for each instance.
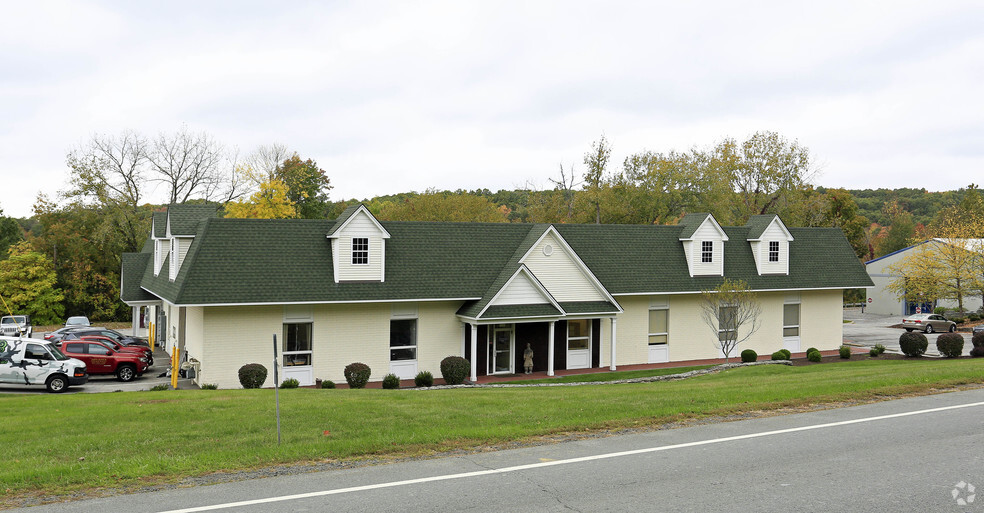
(270, 202)
(731, 311)
(27, 284)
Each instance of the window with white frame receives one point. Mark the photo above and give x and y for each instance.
(773, 251)
(403, 339)
(360, 250)
(791, 320)
(578, 334)
(296, 347)
(658, 325)
(726, 324)
(707, 251)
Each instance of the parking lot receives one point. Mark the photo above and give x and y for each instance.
(109, 383)
(866, 329)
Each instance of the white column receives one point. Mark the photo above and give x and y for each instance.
(136, 320)
(612, 367)
(474, 353)
(550, 349)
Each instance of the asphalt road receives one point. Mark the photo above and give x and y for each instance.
(888, 456)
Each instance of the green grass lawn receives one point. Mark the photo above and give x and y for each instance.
(61, 443)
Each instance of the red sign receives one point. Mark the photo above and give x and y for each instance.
(869, 299)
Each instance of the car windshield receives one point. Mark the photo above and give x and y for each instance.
(17, 319)
(56, 353)
(78, 321)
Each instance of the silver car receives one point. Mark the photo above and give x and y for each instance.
(928, 323)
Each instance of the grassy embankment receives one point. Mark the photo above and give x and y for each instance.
(61, 443)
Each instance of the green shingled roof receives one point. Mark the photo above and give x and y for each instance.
(758, 224)
(236, 261)
(160, 224)
(184, 219)
(690, 223)
(134, 265)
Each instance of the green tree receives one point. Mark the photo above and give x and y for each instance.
(596, 162)
(901, 231)
(434, 205)
(27, 284)
(767, 172)
(307, 186)
(10, 233)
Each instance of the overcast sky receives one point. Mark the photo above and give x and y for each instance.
(397, 96)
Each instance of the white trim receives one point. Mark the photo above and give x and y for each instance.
(752, 290)
(363, 209)
(539, 286)
(717, 226)
(782, 226)
(577, 260)
(318, 302)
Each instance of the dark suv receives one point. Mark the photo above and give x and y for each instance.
(89, 331)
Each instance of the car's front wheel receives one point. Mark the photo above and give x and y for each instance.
(953, 327)
(929, 328)
(56, 384)
(126, 373)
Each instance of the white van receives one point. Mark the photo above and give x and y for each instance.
(34, 362)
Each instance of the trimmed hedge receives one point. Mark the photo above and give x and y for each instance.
(814, 356)
(913, 343)
(391, 381)
(290, 383)
(455, 369)
(327, 384)
(424, 379)
(810, 350)
(845, 352)
(357, 374)
(950, 345)
(252, 375)
(977, 340)
(749, 355)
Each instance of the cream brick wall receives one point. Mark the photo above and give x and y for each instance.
(342, 334)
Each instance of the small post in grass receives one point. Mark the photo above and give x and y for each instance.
(276, 385)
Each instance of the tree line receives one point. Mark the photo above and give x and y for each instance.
(72, 244)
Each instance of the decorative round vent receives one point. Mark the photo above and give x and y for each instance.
(548, 249)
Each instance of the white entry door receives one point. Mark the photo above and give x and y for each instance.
(579, 344)
(501, 349)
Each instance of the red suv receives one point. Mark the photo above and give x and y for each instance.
(101, 359)
(120, 348)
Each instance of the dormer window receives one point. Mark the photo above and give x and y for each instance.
(360, 251)
(773, 251)
(707, 251)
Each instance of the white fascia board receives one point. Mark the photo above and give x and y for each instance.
(364, 210)
(539, 286)
(511, 320)
(273, 303)
(577, 260)
(717, 226)
(782, 226)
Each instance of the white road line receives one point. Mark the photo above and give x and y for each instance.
(530, 466)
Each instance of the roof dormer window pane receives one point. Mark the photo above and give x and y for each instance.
(707, 251)
(773, 251)
(360, 251)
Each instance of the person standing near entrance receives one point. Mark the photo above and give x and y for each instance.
(528, 359)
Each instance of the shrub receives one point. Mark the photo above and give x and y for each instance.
(779, 355)
(939, 310)
(290, 383)
(810, 350)
(977, 351)
(977, 340)
(959, 320)
(845, 352)
(158, 388)
(455, 369)
(327, 384)
(814, 356)
(424, 379)
(973, 317)
(391, 381)
(880, 348)
(210, 386)
(252, 375)
(873, 352)
(786, 353)
(913, 343)
(950, 345)
(749, 355)
(357, 374)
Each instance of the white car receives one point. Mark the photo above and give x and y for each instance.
(33, 362)
(16, 326)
